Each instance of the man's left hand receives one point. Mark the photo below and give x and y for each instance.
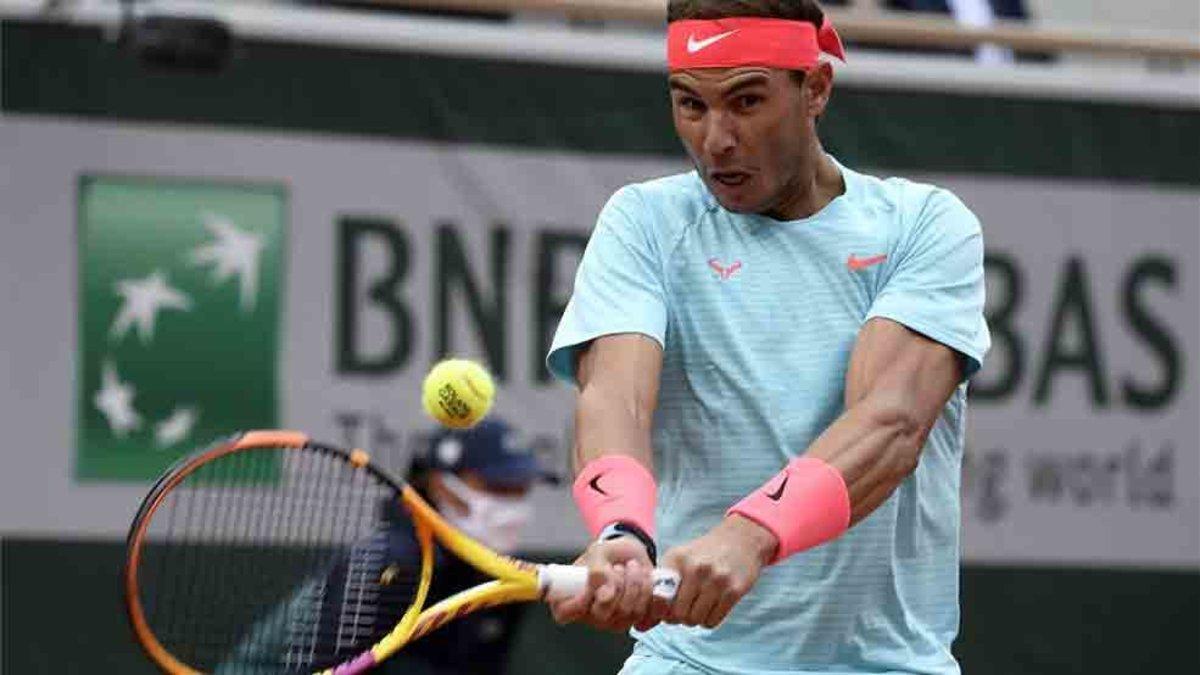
(717, 569)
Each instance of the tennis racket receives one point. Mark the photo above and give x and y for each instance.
(269, 553)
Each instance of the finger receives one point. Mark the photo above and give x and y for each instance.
(565, 615)
(600, 583)
(645, 588)
(659, 609)
(568, 610)
(597, 576)
(607, 596)
(689, 588)
(721, 610)
(707, 599)
(635, 599)
(673, 560)
(580, 607)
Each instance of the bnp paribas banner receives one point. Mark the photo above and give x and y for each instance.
(180, 298)
(229, 279)
(1082, 440)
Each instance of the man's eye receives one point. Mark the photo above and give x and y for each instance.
(749, 100)
(691, 104)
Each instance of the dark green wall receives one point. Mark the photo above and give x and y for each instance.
(75, 72)
(62, 613)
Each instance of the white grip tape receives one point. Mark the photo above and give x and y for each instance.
(563, 581)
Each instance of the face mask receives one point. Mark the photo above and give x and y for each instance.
(496, 522)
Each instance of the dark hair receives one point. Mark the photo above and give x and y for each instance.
(796, 10)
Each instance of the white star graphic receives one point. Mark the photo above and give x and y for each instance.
(143, 300)
(115, 401)
(176, 427)
(234, 252)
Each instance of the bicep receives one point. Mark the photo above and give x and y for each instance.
(889, 359)
(936, 284)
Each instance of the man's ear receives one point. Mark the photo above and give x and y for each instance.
(818, 87)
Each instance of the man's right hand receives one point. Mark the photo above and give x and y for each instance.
(618, 595)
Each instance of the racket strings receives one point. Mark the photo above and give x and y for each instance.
(276, 561)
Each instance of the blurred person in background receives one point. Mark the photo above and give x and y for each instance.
(413, 10)
(972, 13)
(1000, 9)
(480, 480)
(975, 14)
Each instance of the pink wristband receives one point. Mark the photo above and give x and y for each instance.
(804, 505)
(616, 488)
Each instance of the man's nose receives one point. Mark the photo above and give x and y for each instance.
(720, 135)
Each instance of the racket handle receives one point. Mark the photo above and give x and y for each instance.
(562, 581)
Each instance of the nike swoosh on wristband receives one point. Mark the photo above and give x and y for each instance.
(594, 483)
(694, 45)
(774, 496)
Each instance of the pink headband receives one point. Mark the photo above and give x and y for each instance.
(746, 41)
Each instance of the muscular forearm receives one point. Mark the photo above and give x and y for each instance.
(618, 378)
(614, 482)
(875, 445)
(897, 383)
(608, 422)
(844, 475)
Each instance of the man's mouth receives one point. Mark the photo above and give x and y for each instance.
(730, 178)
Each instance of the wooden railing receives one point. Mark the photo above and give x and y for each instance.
(866, 22)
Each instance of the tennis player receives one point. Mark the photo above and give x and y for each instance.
(771, 353)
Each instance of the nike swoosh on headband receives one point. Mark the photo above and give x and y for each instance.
(694, 45)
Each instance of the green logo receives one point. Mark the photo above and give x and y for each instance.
(181, 288)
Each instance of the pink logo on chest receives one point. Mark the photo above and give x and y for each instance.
(725, 272)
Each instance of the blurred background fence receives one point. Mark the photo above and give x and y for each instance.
(422, 178)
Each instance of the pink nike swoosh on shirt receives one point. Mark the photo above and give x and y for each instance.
(855, 263)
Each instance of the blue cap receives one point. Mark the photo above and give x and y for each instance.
(491, 448)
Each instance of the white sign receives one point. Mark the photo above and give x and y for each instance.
(1083, 452)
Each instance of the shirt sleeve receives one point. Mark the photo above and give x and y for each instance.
(936, 283)
(618, 286)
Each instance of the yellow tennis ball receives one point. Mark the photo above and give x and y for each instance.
(458, 393)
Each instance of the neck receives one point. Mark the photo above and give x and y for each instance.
(817, 183)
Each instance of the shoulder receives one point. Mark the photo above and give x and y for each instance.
(660, 208)
(918, 208)
(681, 191)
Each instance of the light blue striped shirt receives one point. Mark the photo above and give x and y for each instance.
(757, 319)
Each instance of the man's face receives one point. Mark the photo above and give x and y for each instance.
(748, 130)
